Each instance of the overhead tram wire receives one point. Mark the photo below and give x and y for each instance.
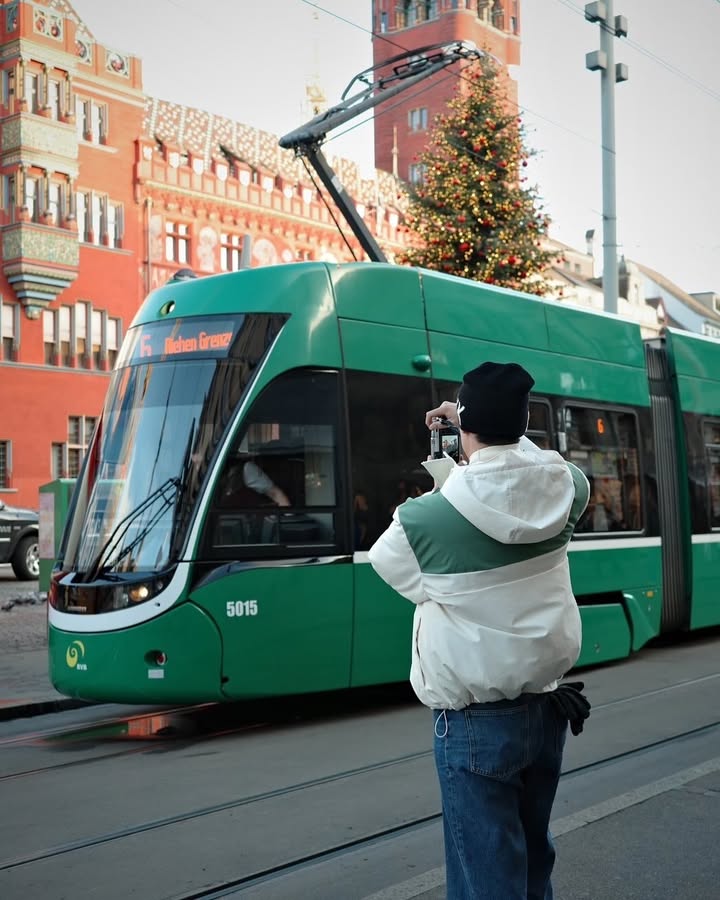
(388, 109)
(673, 69)
(396, 45)
(574, 8)
(457, 75)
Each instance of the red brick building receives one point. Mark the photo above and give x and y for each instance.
(105, 193)
(492, 25)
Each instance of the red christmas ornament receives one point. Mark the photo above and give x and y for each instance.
(464, 247)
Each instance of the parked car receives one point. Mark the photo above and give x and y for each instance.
(19, 541)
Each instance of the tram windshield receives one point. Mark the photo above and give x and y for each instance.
(170, 401)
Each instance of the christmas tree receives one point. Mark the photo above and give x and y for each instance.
(472, 214)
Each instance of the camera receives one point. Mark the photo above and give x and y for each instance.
(445, 440)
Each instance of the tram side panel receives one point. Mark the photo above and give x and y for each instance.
(694, 365)
(591, 371)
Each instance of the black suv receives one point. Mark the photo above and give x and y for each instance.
(19, 541)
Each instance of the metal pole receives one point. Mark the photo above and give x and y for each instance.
(607, 102)
(601, 11)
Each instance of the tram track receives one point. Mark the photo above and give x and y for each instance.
(271, 873)
(284, 868)
(180, 738)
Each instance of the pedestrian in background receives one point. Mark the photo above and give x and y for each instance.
(484, 558)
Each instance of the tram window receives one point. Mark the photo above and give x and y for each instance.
(604, 444)
(388, 442)
(538, 429)
(278, 491)
(711, 432)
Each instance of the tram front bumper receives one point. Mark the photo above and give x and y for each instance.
(174, 658)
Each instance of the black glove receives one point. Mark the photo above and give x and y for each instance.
(572, 704)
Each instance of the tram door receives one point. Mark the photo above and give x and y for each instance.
(277, 528)
(388, 442)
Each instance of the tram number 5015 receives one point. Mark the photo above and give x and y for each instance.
(241, 608)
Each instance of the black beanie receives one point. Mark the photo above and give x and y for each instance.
(493, 400)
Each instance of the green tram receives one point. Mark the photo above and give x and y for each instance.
(260, 428)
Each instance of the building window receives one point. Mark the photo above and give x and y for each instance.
(96, 219)
(231, 246)
(64, 328)
(8, 330)
(425, 9)
(416, 173)
(114, 223)
(498, 15)
(92, 120)
(54, 94)
(31, 197)
(177, 242)
(80, 429)
(32, 91)
(99, 119)
(112, 340)
(82, 115)
(7, 85)
(96, 330)
(418, 119)
(56, 201)
(58, 463)
(50, 336)
(82, 213)
(82, 311)
(5, 463)
(99, 219)
(9, 196)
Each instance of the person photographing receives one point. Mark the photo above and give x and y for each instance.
(496, 625)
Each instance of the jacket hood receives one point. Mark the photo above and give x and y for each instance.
(516, 493)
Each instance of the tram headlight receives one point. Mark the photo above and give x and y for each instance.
(138, 592)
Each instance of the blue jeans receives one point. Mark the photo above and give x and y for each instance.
(499, 766)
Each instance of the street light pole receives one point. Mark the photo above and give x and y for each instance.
(604, 60)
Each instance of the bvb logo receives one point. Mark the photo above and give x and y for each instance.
(75, 652)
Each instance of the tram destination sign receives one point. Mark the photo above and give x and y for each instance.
(208, 337)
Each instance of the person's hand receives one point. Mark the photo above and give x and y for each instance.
(446, 410)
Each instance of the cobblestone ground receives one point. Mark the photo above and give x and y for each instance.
(23, 614)
(24, 627)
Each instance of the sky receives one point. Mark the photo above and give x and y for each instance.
(249, 60)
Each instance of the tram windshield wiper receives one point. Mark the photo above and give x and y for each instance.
(103, 559)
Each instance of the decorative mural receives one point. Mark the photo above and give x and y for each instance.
(117, 63)
(11, 17)
(83, 48)
(48, 24)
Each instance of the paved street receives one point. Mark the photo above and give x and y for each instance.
(11, 587)
(24, 625)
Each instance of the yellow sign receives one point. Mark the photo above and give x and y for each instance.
(75, 652)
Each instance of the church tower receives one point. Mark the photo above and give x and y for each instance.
(401, 128)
